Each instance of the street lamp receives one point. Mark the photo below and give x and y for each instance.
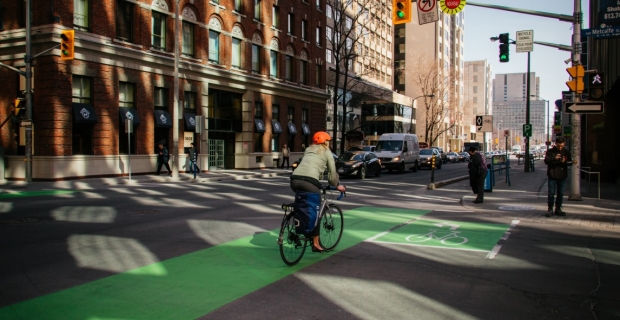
(412, 102)
(547, 117)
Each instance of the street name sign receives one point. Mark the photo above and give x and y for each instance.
(484, 123)
(585, 107)
(602, 33)
(525, 41)
(428, 11)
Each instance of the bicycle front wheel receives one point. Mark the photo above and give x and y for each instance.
(331, 223)
(292, 244)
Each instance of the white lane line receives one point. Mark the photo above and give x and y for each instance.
(422, 245)
(391, 229)
(498, 246)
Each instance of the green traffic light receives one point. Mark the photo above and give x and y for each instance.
(503, 57)
(65, 52)
(400, 14)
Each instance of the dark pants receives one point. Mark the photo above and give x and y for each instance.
(285, 159)
(477, 184)
(555, 186)
(302, 185)
(160, 163)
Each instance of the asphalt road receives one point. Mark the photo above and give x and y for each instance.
(183, 251)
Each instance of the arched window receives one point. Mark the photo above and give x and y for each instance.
(237, 48)
(189, 26)
(303, 67)
(289, 58)
(257, 42)
(273, 58)
(214, 40)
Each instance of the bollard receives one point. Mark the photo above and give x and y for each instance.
(433, 169)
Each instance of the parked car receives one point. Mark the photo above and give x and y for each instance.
(453, 157)
(359, 163)
(425, 158)
(465, 156)
(443, 154)
(296, 163)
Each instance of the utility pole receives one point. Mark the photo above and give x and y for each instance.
(575, 119)
(28, 60)
(175, 111)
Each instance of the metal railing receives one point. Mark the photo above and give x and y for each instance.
(589, 173)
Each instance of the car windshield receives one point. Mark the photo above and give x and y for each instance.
(367, 148)
(348, 156)
(389, 146)
(426, 152)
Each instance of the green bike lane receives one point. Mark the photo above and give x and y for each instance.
(194, 284)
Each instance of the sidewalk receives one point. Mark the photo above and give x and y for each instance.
(140, 179)
(526, 199)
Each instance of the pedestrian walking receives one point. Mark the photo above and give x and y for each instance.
(193, 158)
(162, 159)
(477, 173)
(286, 153)
(557, 160)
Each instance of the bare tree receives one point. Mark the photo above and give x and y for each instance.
(352, 28)
(436, 114)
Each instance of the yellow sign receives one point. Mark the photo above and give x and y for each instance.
(452, 6)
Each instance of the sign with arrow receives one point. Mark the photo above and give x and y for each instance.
(585, 107)
(484, 123)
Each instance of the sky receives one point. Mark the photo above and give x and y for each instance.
(548, 63)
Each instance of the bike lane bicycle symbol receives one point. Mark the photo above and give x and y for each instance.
(452, 238)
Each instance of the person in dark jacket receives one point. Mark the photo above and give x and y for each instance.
(557, 160)
(192, 154)
(162, 159)
(477, 173)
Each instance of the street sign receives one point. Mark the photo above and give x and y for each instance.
(428, 11)
(602, 33)
(525, 41)
(25, 123)
(484, 123)
(507, 133)
(452, 6)
(585, 107)
(527, 130)
(567, 97)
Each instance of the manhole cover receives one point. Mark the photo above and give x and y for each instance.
(20, 220)
(516, 208)
(143, 211)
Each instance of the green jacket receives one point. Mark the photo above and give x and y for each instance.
(315, 160)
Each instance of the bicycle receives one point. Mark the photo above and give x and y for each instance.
(444, 239)
(293, 244)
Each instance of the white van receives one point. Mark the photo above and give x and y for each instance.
(398, 151)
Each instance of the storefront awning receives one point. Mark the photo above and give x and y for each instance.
(276, 127)
(260, 125)
(162, 119)
(84, 113)
(129, 113)
(190, 121)
(306, 129)
(292, 129)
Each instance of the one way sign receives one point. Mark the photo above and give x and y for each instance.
(484, 123)
(585, 107)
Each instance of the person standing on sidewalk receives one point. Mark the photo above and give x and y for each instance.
(557, 160)
(286, 153)
(477, 173)
(162, 159)
(193, 157)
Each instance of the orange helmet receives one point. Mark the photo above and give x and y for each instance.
(320, 137)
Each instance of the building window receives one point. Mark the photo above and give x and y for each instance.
(124, 20)
(303, 68)
(126, 99)
(291, 24)
(328, 10)
(475, 78)
(160, 98)
(80, 15)
(275, 137)
(273, 64)
(257, 9)
(304, 120)
(188, 39)
(236, 53)
(214, 46)
(291, 119)
(190, 100)
(304, 30)
(160, 102)
(475, 100)
(82, 133)
(318, 76)
(289, 68)
(328, 33)
(82, 90)
(255, 58)
(126, 95)
(275, 17)
(328, 56)
(238, 5)
(158, 32)
(318, 5)
(318, 36)
(258, 137)
(475, 89)
(348, 23)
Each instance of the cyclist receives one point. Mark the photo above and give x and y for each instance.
(306, 176)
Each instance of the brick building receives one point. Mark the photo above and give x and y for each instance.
(251, 67)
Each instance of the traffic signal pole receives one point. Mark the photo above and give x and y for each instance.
(575, 119)
(28, 92)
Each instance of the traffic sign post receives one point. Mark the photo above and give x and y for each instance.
(525, 41)
(527, 130)
(585, 107)
(484, 123)
(428, 11)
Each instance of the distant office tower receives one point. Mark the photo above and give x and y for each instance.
(478, 97)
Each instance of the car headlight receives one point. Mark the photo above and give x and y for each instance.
(356, 165)
(396, 158)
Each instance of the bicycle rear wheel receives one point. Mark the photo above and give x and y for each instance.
(332, 224)
(292, 244)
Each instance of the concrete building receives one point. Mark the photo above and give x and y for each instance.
(479, 96)
(441, 43)
(252, 68)
(509, 109)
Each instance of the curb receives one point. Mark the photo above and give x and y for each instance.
(213, 179)
(439, 184)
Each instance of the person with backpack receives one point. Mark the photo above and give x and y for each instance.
(305, 178)
(557, 160)
(477, 173)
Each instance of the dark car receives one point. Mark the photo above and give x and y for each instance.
(425, 158)
(359, 163)
(444, 159)
(465, 156)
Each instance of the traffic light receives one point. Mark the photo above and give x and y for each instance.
(576, 84)
(401, 11)
(19, 107)
(67, 44)
(504, 49)
(596, 86)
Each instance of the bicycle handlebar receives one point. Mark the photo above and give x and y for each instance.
(342, 194)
